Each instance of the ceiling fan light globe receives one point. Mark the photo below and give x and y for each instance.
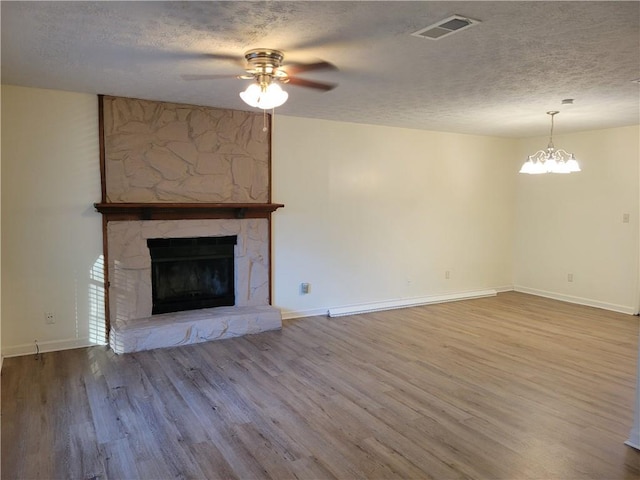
(251, 96)
(272, 97)
(266, 98)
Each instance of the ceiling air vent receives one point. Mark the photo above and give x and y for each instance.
(445, 27)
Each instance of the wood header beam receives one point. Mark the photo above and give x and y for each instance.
(184, 211)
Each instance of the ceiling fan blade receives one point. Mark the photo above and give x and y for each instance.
(301, 82)
(221, 56)
(295, 68)
(225, 56)
(206, 77)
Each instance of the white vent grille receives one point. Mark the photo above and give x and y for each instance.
(448, 26)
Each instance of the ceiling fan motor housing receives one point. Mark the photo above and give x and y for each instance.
(265, 61)
(264, 65)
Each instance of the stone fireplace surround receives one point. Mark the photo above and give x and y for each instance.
(134, 328)
(162, 164)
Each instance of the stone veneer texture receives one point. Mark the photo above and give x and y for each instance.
(129, 265)
(173, 153)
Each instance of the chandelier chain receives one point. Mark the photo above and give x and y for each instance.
(552, 113)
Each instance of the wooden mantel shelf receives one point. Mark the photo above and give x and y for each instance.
(184, 211)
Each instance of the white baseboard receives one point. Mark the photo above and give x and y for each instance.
(50, 346)
(409, 302)
(506, 288)
(578, 300)
(291, 314)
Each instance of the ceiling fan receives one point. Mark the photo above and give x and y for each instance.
(265, 67)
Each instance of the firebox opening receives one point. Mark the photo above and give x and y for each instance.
(192, 273)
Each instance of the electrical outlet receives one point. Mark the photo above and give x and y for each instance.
(305, 288)
(625, 218)
(49, 318)
(570, 277)
(447, 274)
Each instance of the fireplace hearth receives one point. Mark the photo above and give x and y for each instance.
(192, 273)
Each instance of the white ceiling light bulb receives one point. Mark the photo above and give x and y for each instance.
(527, 167)
(572, 164)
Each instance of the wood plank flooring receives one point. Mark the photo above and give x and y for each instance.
(507, 387)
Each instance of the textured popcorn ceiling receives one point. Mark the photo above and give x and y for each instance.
(496, 78)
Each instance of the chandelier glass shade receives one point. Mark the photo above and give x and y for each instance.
(264, 95)
(551, 159)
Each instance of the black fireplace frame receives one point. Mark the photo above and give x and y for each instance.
(213, 254)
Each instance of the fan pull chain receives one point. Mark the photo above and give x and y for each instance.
(264, 120)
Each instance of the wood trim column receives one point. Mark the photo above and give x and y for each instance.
(103, 198)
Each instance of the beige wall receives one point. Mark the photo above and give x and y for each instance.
(439, 201)
(51, 235)
(573, 224)
(380, 214)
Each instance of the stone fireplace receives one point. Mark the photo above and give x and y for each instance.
(179, 176)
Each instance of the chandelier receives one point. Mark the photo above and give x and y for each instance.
(551, 159)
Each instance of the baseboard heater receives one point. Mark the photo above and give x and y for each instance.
(409, 302)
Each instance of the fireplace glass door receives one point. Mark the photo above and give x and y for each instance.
(192, 273)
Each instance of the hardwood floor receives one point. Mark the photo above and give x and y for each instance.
(508, 387)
